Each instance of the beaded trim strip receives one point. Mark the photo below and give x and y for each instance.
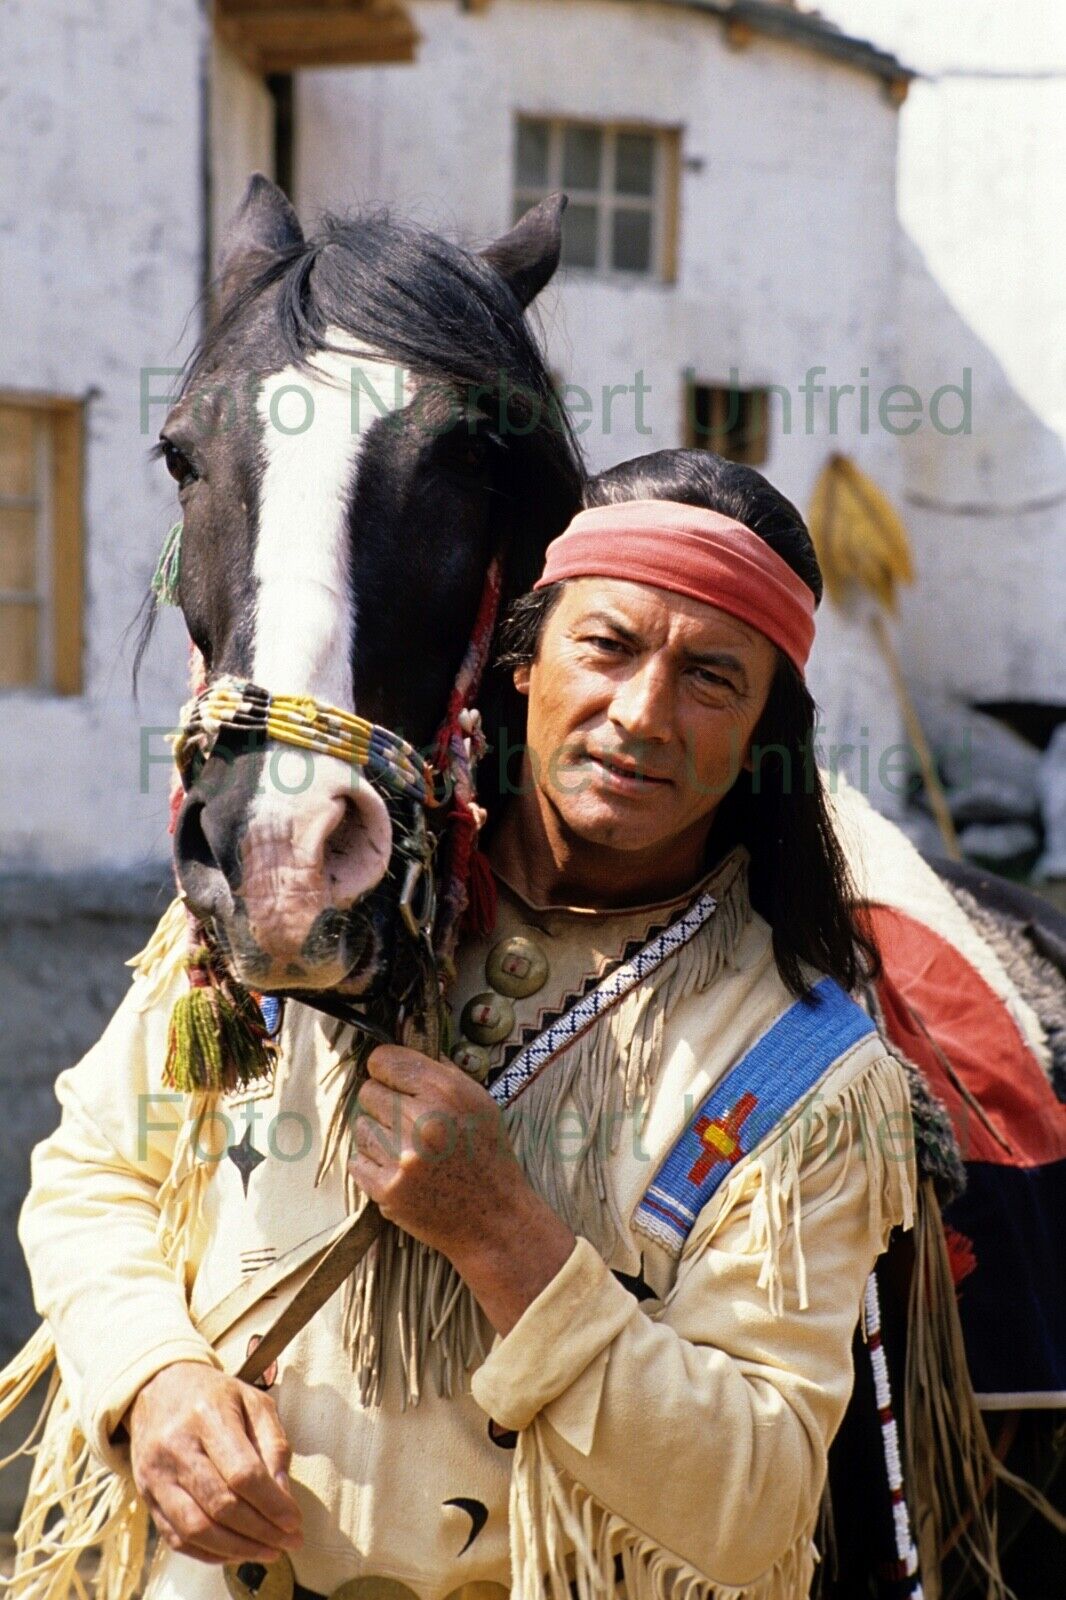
(307, 724)
(905, 1549)
(573, 1023)
(769, 1085)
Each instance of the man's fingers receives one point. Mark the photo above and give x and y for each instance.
(226, 1508)
(269, 1439)
(377, 1103)
(172, 1538)
(399, 1068)
(368, 1140)
(245, 1474)
(199, 1535)
(370, 1178)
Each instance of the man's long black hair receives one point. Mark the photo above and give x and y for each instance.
(800, 881)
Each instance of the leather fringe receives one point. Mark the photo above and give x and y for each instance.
(163, 955)
(872, 1120)
(555, 1523)
(951, 1469)
(558, 1528)
(75, 1506)
(405, 1303)
(607, 1076)
(935, 1143)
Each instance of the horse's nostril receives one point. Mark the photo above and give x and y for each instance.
(347, 835)
(199, 872)
(355, 851)
(190, 840)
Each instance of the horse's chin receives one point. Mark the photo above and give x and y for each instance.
(344, 954)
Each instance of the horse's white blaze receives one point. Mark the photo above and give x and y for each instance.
(324, 841)
(315, 424)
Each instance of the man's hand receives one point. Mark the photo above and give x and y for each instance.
(211, 1462)
(432, 1151)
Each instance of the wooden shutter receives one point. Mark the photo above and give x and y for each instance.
(41, 555)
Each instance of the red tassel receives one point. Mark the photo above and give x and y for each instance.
(480, 915)
(177, 795)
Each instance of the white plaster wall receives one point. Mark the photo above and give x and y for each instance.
(788, 247)
(100, 253)
(982, 202)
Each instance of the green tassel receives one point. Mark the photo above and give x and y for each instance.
(167, 573)
(217, 1042)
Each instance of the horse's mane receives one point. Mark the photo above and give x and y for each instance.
(444, 312)
(420, 299)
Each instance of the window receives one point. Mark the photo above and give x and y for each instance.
(730, 421)
(622, 184)
(40, 544)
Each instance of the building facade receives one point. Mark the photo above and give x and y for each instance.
(982, 203)
(731, 228)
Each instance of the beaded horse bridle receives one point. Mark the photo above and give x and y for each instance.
(304, 723)
(435, 816)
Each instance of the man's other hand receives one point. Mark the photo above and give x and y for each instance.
(211, 1461)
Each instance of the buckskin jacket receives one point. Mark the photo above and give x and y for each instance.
(660, 1415)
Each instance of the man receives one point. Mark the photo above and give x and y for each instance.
(660, 1213)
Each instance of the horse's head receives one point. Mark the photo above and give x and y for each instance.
(366, 422)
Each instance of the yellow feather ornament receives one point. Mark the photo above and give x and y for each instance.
(859, 538)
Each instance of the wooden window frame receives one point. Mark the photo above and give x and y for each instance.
(757, 449)
(662, 204)
(61, 591)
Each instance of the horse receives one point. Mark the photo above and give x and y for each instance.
(366, 425)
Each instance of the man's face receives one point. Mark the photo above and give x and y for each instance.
(642, 706)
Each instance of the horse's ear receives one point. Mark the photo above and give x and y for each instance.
(528, 255)
(262, 224)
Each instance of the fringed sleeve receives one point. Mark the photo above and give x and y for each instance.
(93, 1223)
(691, 1445)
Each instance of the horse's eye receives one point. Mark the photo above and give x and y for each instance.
(178, 464)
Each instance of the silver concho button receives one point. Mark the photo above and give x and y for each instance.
(473, 1058)
(487, 1018)
(517, 967)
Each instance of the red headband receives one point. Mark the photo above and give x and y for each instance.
(690, 551)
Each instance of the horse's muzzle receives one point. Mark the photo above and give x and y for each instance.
(276, 868)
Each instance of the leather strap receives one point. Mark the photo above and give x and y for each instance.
(330, 1256)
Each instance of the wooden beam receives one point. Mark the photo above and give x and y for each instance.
(283, 35)
(739, 35)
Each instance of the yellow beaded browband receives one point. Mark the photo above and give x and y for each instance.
(307, 724)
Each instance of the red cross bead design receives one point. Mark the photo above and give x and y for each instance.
(721, 1138)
